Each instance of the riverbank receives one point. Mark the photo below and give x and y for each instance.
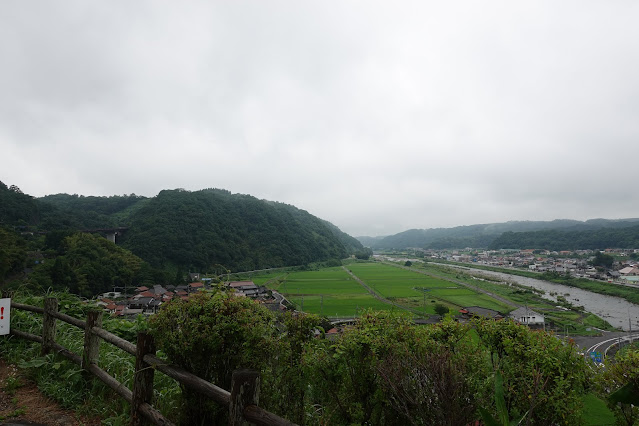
(618, 312)
(629, 293)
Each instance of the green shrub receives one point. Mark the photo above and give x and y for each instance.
(543, 376)
(385, 370)
(622, 371)
(211, 335)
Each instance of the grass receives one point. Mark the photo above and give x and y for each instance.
(393, 282)
(331, 292)
(578, 322)
(63, 381)
(339, 306)
(596, 413)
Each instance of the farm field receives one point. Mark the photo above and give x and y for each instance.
(338, 306)
(577, 322)
(331, 292)
(409, 287)
(335, 293)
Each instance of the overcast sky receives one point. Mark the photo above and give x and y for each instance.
(376, 116)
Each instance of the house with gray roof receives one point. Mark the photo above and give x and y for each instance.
(527, 316)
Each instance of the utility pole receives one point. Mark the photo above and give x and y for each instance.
(424, 303)
(630, 326)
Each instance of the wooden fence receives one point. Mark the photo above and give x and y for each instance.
(241, 400)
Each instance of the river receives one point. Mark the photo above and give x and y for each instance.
(617, 311)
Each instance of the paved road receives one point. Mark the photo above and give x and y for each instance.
(604, 342)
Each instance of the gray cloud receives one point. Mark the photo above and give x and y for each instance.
(378, 117)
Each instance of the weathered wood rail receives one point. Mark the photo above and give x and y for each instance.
(241, 401)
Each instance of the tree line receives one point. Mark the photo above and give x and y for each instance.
(497, 234)
(570, 240)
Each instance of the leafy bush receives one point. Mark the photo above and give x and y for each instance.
(621, 372)
(382, 370)
(385, 370)
(543, 376)
(211, 335)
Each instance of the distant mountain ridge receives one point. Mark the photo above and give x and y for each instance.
(484, 235)
(189, 230)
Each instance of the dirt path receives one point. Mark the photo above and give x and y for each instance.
(22, 403)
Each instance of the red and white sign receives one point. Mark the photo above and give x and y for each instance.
(5, 310)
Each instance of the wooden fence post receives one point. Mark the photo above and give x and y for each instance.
(48, 324)
(245, 390)
(143, 378)
(91, 351)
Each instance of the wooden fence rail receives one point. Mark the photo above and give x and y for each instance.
(241, 401)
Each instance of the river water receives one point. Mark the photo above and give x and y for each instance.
(615, 310)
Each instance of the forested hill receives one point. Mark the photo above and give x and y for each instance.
(485, 235)
(208, 227)
(62, 211)
(188, 230)
(570, 240)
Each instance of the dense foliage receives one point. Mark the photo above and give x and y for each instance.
(13, 253)
(603, 260)
(543, 377)
(211, 336)
(94, 212)
(570, 240)
(197, 230)
(87, 265)
(175, 232)
(622, 370)
(17, 208)
(490, 235)
(384, 370)
(27, 213)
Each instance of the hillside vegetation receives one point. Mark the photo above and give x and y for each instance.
(203, 228)
(383, 370)
(519, 234)
(170, 234)
(570, 240)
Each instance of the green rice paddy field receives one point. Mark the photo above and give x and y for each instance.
(330, 291)
(334, 293)
(395, 283)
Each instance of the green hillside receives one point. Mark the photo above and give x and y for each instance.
(184, 230)
(485, 235)
(570, 240)
(203, 228)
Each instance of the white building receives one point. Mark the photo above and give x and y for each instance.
(527, 316)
